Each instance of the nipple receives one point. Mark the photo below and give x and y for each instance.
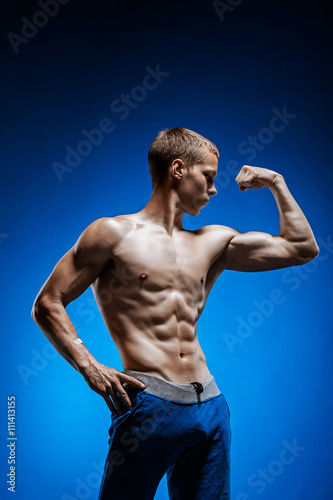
(202, 279)
(143, 276)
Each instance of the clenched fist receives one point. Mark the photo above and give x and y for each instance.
(256, 177)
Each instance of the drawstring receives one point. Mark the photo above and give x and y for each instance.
(198, 388)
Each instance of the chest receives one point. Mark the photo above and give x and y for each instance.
(159, 261)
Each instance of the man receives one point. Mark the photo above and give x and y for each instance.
(151, 278)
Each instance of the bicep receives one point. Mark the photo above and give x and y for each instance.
(259, 251)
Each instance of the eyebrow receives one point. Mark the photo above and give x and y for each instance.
(211, 171)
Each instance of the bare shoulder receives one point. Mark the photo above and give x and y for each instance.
(105, 230)
(99, 239)
(217, 232)
(215, 239)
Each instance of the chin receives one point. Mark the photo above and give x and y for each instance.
(194, 212)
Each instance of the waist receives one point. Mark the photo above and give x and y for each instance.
(182, 393)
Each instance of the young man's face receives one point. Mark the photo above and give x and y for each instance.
(197, 185)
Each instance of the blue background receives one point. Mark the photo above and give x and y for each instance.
(225, 77)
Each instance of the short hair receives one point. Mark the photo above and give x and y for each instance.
(175, 143)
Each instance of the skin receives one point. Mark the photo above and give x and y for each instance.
(151, 277)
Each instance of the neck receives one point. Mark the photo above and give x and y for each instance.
(163, 209)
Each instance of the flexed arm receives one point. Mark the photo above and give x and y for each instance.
(259, 251)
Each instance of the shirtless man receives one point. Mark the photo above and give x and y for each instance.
(151, 279)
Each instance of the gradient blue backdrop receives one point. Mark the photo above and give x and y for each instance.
(225, 77)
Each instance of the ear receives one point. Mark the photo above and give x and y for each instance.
(177, 169)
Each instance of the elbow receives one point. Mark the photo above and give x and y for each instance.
(40, 308)
(308, 253)
(36, 308)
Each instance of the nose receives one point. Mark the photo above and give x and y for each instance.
(212, 190)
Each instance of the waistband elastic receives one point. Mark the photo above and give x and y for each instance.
(195, 392)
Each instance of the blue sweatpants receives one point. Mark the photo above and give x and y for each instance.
(182, 430)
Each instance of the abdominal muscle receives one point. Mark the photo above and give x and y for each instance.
(166, 359)
(156, 339)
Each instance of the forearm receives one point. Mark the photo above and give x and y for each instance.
(294, 226)
(53, 320)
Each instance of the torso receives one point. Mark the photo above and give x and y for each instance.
(152, 293)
